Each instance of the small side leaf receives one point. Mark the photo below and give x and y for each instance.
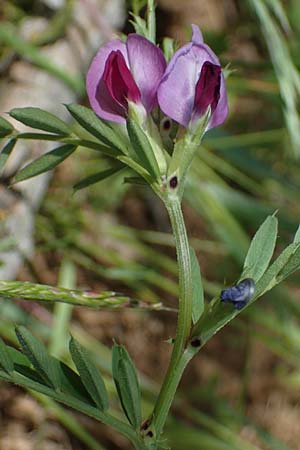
(45, 162)
(100, 129)
(198, 296)
(5, 152)
(41, 120)
(89, 375)
(126, 381)
(37, 354)
(261, 249)
(96, 177)
(168, 45)
(142, 147)
(6, 128)
(139, 25)
(6, 363)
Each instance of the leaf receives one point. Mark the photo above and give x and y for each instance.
(70, 382)
(168, 45)
(45, 162)
(5, 152)
(37, 354)
(269, 279)
(261, 249)
(198, 296)
(297, 235)
(96, 177)
(142, 147)
(73, 393)
(97, 127)
(17, 357)
(139, 25)
(6, 128)
(41, 120)
(89, 375)
(291, 266)
(139, 181)
(67, 380)
(126, 381)
(6, 362)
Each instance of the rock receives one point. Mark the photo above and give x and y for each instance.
(28, 85)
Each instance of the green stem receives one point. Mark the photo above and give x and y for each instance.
(179, 358)
(62, 312)
(151, 21)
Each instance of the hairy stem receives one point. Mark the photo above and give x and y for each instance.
(179, 358)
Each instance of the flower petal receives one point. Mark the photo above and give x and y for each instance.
(221, 110)
(176, 92)
(119, 81)
(197, 37)
(100, 99)
(147, 64)
(207, 89)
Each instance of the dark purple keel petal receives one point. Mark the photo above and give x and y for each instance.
(221, 111)
(207, 92)
(119, 81)
(147, 65)
(100, 99)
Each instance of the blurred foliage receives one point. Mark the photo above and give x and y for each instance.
(246, 170)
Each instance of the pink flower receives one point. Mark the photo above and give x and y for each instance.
(192, 82)
(122, 72)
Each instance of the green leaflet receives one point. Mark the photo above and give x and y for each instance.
(198, 295)
(290, 267)
(5, 152)
(6, 128)
(142, 147)
(45, 163)
(47, 371)
(287, 262)
(168, 45)
(297, 235)
(41, 120)
(6, 362)
(89, 375)
(139, 25)
(126, 381)
(96, 177)
(104, 131)
(72, 391)
(37, 354)
(218, 314)
(261, 249)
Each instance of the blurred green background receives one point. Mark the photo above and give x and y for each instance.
(242, 392)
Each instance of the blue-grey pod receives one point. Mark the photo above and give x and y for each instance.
(240, 294)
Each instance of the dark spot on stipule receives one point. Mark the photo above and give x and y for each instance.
(195, 342)
(166, 124)
(145, 425)
(173, 182)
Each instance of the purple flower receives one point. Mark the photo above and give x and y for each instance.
(193, 81)
(122, 72)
